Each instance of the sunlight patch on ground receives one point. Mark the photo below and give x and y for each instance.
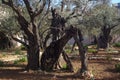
(8, 58)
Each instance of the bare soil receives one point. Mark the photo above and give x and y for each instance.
(101, 69)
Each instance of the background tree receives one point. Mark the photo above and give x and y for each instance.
(5, 41)
(104, 17)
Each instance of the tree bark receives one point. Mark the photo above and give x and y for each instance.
(33, 58)
(53, 51)
(82, 52)
(104, 38)
(30, 29)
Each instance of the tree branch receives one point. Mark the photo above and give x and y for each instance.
(22, 21)
(29, 8)
(114, 26)
(18, 40)
(44, 14)
(68, 17)
(71, 15)
(41, 9)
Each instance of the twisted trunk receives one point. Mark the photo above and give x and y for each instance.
(30, 29)
(33, 49)
(104, 38)
(53, 51)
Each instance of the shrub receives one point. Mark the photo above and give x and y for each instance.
(116, 44)
(117, 67)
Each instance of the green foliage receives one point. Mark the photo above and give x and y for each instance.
(16, 62)
(64, 67)
(17, 51)
(102, 14)
(92, 50)
(117, 67)
(116, 44)
(85, 46)
(4, 55)
(67, 50)
(22, 47)
(1, 63)
(23, 59)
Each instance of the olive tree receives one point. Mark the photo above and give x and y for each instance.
(104, 17)
(29, 25)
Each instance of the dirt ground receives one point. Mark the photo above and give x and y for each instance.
(101, 69)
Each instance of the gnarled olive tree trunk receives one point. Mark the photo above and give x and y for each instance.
(104, 37)
(33, 54)
(30, 27)
(53, 51)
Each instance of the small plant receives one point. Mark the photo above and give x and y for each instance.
(17, 51)
(64, 67)
(16, 62)
(109, 51)
(92, 50)
(109, 58)
(1, 63)
(22, 47)
(116, 44)
(67, 50)
(117, 67)
(86, 47)
(4, 55)
(23, 59)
